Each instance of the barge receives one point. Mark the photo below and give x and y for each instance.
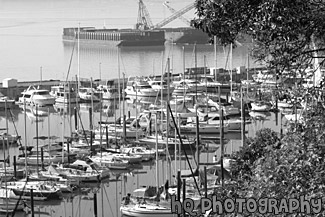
(118, 37)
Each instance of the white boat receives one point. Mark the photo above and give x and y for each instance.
(228, 108)
(231, 123)
(108, 92)
(5, 101)
(131, 158)
(146, 210)
(141, 88)
(88, 94)
(266, 77)
(40, 190)
(260, 106)
(162, 141)
(111, 162)
(142, 151)
(259, 115)
(64, 94)
(292, 117)
(161, 86)
(282, 104)
(48, 159)
(204, 128)
(91, 167)
(76, 174)
(40, 97)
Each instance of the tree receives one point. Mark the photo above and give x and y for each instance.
(288, 35)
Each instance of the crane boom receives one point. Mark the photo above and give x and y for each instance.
(144, 20)
(174, 16)
(186, 21)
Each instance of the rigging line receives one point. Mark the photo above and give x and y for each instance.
(109, 202)
(74, 42)
(180, 139)
(11, 115)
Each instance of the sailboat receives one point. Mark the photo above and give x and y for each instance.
(146, 210)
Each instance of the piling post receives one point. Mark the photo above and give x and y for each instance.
(95, 205)
(221, 146)
(91, 142)
(68, 149)
(205, 182)
(243, 118)
(90, 118)
(75, 118)
(106, 131)
(15, 167)
(32, 203)
(184, 195)
(179, 184)
(42, 158)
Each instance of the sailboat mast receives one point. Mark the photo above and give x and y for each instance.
(196, 107)
(168, 119)
(78, 44)
(124, 117)
(119, 80)
(230, 69)
(49, 130)
(4, 153)
(25, 135)
(215, 56)
(156, 133)
(37, 153)
(63, 123)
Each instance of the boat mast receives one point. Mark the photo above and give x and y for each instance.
(37, 153)
(124, 116)
(4, 154)
(25, 135)
(215, 57)
(63, 123)
(49, 132)
(119, 80)
(168, 120)
(156, 133)
(230, 69)
(78, 43)
(196, 107)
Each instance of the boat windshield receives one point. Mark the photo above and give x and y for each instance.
(42, 93)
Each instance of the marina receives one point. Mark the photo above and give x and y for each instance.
(120, 153)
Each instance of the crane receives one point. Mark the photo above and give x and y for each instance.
(174, 16)
(144, 20)
(186, 21)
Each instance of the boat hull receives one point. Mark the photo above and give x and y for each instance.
(146, 211)
(57, 195)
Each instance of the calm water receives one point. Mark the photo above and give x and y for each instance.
(32, 47)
